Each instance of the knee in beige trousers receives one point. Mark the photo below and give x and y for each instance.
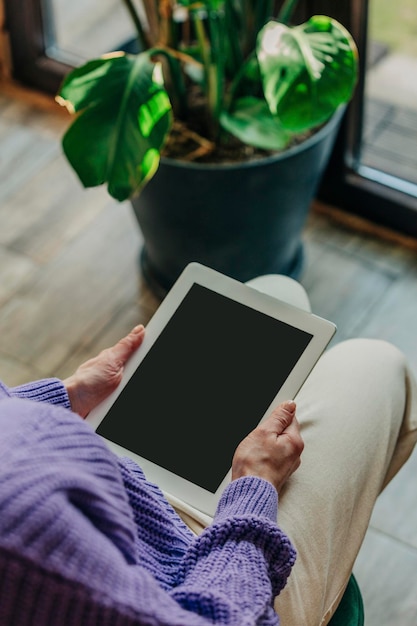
(358, 417)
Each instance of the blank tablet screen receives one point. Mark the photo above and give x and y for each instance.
(204, 385)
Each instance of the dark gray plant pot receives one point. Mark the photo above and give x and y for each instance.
(243, 220)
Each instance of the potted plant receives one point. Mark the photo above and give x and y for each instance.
(217, 129)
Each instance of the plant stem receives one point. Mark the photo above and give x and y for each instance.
(208, 55)
(235, 37)
(256, 13)
(217, 67)
(287, 9)
(176, 82)
(263, 11)
(234, 86)
(137, 23)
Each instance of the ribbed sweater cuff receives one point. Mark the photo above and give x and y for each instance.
(249, 495)
(51, 390)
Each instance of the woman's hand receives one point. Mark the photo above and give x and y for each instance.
(95, 379)
(272, 450)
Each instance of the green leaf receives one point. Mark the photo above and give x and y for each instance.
(209, 5)
(252, 122)
(124, 118)
(307, 71)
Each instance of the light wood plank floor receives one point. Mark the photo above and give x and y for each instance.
(70, 285)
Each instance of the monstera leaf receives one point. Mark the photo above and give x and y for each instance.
(307, 71)
(253, 123)
(123, 118)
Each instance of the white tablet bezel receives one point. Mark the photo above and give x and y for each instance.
(321, 330)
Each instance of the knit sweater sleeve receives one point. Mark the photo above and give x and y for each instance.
(233, 571)
(86, 537)
(241, 562)
(50, 390)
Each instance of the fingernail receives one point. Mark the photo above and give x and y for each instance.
(290, 405)
(138, 329)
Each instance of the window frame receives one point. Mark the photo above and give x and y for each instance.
(343, 185)
(29, 40)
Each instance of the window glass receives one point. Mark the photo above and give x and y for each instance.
(390, 109)
(78, 31)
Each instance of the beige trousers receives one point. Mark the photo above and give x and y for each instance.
(358, 417)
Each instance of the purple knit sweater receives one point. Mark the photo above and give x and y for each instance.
(86, 540)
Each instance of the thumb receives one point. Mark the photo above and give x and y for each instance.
(126, 346)
(282, 416)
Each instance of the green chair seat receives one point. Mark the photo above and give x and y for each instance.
(350, 611)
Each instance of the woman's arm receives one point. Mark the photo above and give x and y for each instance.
(243, 558)
(92, 381)
(72, 537)
(51, 390)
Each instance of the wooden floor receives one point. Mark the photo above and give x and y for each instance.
(70, 285)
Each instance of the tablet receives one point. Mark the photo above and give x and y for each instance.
(217, 357)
